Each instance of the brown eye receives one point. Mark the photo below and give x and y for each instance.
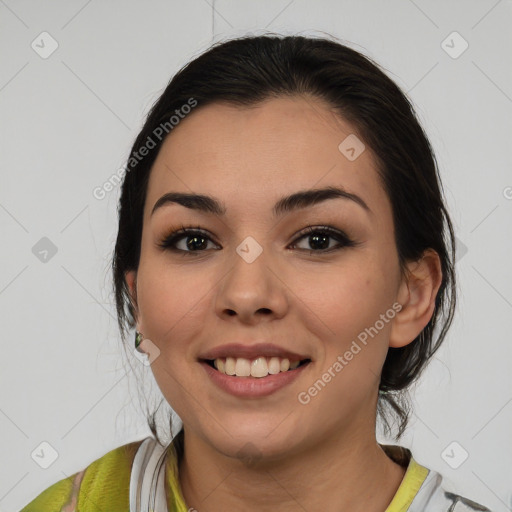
(195, 240)
(318, 238)
(186, 241)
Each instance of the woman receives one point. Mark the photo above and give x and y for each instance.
(285, 253)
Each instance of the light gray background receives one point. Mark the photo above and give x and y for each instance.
(68, 122)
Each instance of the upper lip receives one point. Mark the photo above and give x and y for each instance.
(251, 352)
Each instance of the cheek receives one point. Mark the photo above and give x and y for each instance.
(352, 351)
(171, 303)
(346, 308)
(346, 299)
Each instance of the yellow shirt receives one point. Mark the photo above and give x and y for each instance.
(109, 483)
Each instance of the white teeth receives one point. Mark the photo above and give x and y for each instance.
(229, 367)
(243, 367)
(259, 367)
(274, 365)
(220, 365)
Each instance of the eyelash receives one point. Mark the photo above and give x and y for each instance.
(169, 241)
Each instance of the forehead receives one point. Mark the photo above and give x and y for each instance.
(249, 156)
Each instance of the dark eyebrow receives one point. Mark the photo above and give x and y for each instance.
(305, 198)
(298, 200)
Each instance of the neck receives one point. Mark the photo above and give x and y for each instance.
(341, 472)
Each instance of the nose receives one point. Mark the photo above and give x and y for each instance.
(252, 290)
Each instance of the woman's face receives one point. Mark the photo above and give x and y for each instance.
(255, 276)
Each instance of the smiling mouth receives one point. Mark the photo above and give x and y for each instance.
(258, 367)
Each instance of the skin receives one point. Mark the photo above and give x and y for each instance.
(319, 456)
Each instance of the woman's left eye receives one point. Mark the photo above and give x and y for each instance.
(196, 240)
(318, 237)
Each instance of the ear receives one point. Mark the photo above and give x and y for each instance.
(131, 281)
(417, 295)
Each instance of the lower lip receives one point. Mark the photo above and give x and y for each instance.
(253, 387)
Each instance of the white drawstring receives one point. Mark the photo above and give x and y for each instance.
(147, 489)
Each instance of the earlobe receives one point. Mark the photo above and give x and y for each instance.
(417, 295)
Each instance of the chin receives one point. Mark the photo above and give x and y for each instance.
(256, 442)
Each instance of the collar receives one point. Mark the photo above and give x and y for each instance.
(413, 480)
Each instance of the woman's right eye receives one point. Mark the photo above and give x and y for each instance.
(191, 240)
